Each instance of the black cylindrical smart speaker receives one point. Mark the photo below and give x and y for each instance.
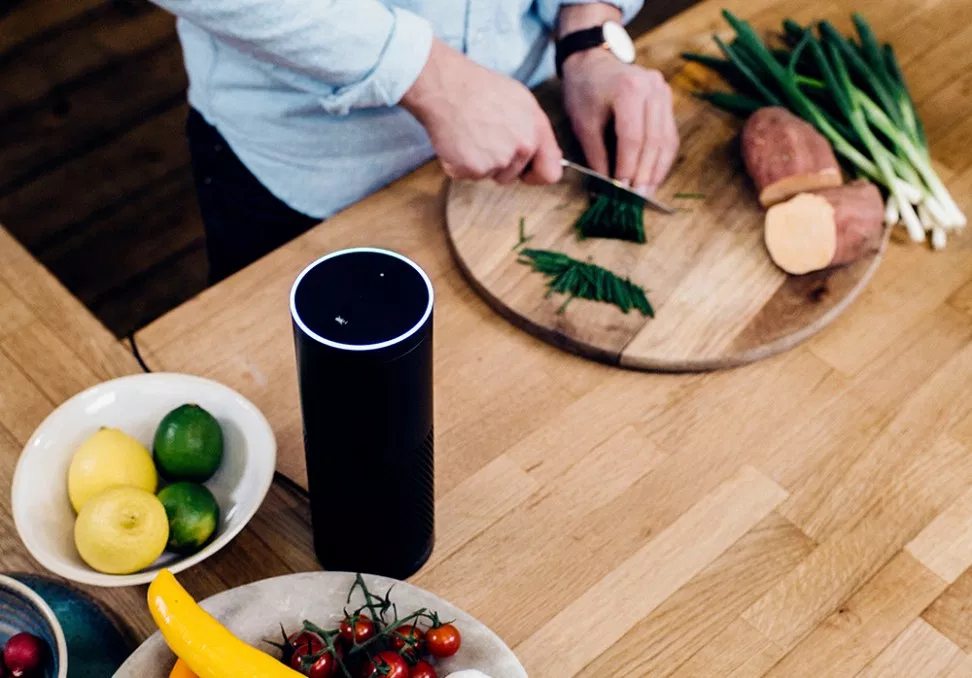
(363, 332)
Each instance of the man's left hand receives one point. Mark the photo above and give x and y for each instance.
(599, 88)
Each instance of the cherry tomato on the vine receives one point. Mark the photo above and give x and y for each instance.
(411, 645)
(324, 666)
(359, 631)
(423, 670)
(386, 664)
(303, 644)
(443, 641)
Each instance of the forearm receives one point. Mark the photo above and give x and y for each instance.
(352, 52)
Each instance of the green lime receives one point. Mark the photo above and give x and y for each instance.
(188, 444)
(193, 515)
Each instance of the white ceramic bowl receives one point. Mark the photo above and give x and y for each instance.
(136, 405)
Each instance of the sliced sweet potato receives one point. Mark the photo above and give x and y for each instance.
(829, 227)
(785, 156)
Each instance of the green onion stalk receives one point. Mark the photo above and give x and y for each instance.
(854, 93)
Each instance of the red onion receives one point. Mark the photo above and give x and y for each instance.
(24, 655)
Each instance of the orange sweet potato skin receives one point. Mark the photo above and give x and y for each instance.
(859, 213)
(785, 156)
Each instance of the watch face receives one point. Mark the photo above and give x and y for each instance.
(619, 42)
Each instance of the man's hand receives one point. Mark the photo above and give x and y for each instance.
(482, 124)
(599, 88)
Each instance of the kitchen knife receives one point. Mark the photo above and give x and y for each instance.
(605, 184)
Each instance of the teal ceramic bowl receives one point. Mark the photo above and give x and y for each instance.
(23, 610)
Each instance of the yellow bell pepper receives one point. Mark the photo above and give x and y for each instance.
(206, 646)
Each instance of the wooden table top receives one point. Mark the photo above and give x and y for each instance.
(807, 515)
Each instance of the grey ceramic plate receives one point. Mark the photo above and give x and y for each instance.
(253, 613)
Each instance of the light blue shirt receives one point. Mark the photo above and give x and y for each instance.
(306, 91)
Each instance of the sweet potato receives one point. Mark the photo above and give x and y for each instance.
(785, 155)
(829, 227)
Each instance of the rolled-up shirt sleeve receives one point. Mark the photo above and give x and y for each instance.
(351, 53)
(549, 9)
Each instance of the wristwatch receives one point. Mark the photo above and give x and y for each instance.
(611, 36)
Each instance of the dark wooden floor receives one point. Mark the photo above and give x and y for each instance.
(94, 169)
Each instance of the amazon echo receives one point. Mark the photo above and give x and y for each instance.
(363, 332)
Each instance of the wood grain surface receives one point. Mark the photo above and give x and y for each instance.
(718, 298)
(806, 511)
(805, 514)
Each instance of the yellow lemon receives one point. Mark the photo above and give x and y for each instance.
(121, 530)
(109, 458)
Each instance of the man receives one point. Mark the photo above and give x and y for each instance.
(302, 107)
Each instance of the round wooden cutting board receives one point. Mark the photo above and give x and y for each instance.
(719, 301)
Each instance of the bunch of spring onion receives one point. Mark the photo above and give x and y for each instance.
(855, 94)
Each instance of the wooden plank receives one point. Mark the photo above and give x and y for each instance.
(829, 575)
(73, 119)
(740, 651)
(888, 382)
(13, 555)
(556, 446)
(607, 610)
(952, 612)
(166, 221)
(962, 299)
(63, 314)
(477, 503)
(86, 185)
(699, 611)
(150, 292)
(960, 667)
(962, 431)
(910, 283)
(857, 410)
(919, 652)
(14, 314)
(861, 628)
(842, 489)
(22, 404)
(283, 523)
(514, 546)
(945, 545)
(27, 20)
(947, 150)
(750, 409)
(48, 362)
(932, 70)
(696, 463)
(119, 31)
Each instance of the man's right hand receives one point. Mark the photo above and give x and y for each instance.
(482, 124)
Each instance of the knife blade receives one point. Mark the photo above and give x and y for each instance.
(608, 182)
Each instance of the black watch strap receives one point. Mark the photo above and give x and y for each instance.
(578, 41)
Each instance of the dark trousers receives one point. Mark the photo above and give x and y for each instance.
(243, 220)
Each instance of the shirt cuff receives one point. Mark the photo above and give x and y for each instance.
(402, 60)
(550, 8)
